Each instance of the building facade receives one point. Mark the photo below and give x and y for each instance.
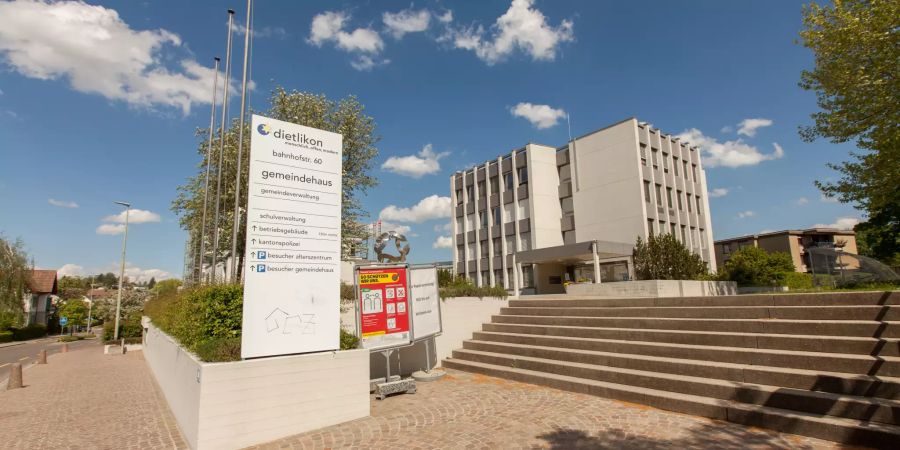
(38, 301)
(793, 242)
(539, 216)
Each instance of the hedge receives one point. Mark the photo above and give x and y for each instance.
(797, 280)
(32, 331)
(6, 336)
(131, 330)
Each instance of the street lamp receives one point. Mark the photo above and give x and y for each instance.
(90, 305)
(122, 271)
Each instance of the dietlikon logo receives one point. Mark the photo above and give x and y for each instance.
(299, 138)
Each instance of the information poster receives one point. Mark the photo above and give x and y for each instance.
(293, 245)
(383, 306)
(426, 302)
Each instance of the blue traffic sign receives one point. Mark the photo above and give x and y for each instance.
(63, 321)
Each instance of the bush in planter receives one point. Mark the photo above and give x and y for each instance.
(219, 349)
(349, 341)
(32, 331)
(6, 336)
(797, 280)
(753, 266)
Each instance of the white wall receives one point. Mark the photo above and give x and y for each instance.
(543, 197)
(244, 403)
(655, 288)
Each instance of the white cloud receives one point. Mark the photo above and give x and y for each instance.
(718, 192)
(264, 32)
(842, 223)
(135, 216)
(541, 116)
(429, 208)
(406, 21)
(745, 214)
(111, 228)
(748, 127)
(802, 201)
(445, 228)
(427, 162)
(70, 270)
(824, 199)
(442, 242)
(365, 43)
(99, 54)
(735, 153)
(446, 17)
(727, 129)
(62, 203)
(522, 27)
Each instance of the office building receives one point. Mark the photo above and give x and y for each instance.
(539, 216)
(793, 242)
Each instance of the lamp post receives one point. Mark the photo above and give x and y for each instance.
(122, 270)
(91, 304)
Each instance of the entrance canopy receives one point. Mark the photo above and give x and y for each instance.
(574, 253)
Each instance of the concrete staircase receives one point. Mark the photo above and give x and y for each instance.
(820, 365)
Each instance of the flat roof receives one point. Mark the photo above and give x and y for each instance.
(835, 231)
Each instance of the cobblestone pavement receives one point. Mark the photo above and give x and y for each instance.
(84, 399)
(474, 411)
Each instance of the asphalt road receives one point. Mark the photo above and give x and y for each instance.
(27, 353)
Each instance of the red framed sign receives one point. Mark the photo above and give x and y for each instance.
(383, 306)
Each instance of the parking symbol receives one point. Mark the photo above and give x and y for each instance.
(261, 254)
(261, 268)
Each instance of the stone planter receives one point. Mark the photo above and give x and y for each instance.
(655, 288)
(237, 404)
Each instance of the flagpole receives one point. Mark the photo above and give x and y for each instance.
(236, 220)
(216, 222)
(212, 134)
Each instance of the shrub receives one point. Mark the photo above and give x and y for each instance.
(797, 280)
(130, 329)
(752, 266)
(663, 257)
(463, 287)
(32, 331)
(6, 336)
(349, 341)
(68, 338)
(219, 349)
(348, 292)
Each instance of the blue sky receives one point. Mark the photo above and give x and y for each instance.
(104, 107)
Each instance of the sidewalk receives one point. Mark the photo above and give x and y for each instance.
(85, 399)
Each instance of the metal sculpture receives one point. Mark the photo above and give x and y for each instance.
(399, 241)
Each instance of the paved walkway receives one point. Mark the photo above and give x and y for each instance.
(469, 411)
(85, 399)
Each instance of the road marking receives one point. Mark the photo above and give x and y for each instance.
(23, 358)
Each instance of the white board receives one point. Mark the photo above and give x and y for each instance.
(425, 302)
(293, 248)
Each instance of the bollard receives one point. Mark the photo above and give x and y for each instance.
(15, 377)
(65, 348)
(42, 357)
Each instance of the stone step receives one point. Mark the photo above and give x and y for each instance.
(832, 362)
(833, 382)
(787, 299)
(835, 429)
(858, 328)
(822, 403)
(807, 343)
(858, 312)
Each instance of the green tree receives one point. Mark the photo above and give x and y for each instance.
(15, 273)
(856, 44)
(75, 311)
(346, 116)
(878, 241)
(753, 266)
(663, 257)
(151, 283)
(70, 287)
(166, 287)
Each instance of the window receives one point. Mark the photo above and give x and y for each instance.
(684, 235)
(523, 210)
(694, 172)
(666, 162)
(484, 218)
(525, 242)
(508, 212)
(484, 249)
(687, 198)
(485, 281)
(470, 193)
(509, 277)
(495, 212)
(647, 191)
(459, 197)
(481, 191)
(523, 175)
(675, 165)
(680, 203)
(659, 194)
(684, 164)
(650, 226)
(498, 277)
(672, 229)
(470, 255)
(699, 209)
(643, 154)
(508, 181)
(459, 224)
(498, 247)
(470, 222)
(669, 196)
(702, 237)
(726, 248)
(655, 154)
(510, 245)
(460, 253)
(553, 279)
(527, 276)
(495, 185)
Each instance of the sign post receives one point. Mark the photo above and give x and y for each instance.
(426, 309)
(293, 240)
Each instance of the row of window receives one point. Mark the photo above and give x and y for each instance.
(682, 198)
(527, 277)
(688, 175)
(522, 173)
(697, 235)
(524, 244)
(496, 216)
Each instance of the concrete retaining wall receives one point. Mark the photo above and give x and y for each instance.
(238, 404)
(655, 288)
(461, 317)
